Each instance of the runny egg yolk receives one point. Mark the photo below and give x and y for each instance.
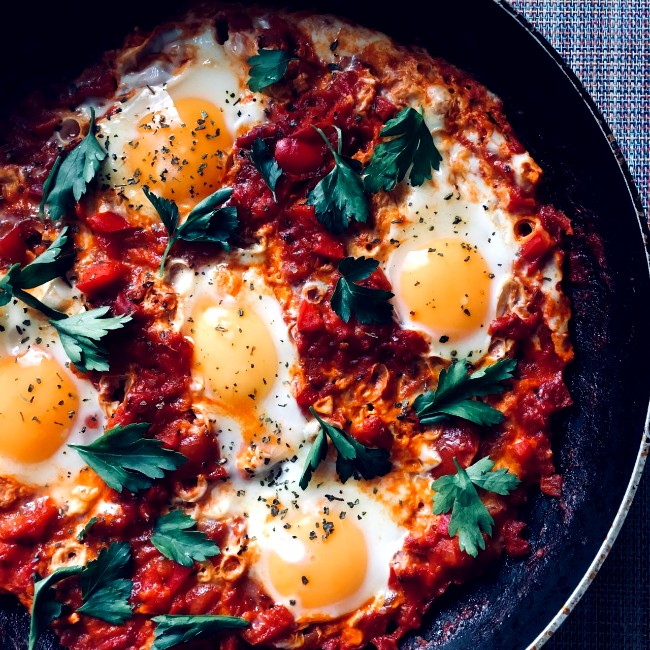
(234, 351)
(445, 286)
(183, 150)
(322, 567)
(38, 405)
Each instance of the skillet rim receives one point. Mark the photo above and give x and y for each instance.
(644, 448)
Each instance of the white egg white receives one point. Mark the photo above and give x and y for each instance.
(262, 488)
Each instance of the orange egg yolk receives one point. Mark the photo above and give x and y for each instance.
(183, 151)
(38, 405)
(445, 286)
(332, 566)
(234, 351)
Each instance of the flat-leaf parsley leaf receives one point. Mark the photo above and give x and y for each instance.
(412, 147)
(50, 264)
(208, 221)
(69, 177)
(105, 591)
(267, 68)
(45, 608)
(174, 539)
(353, 458)
(339, 197)
(456, 390)
(266, 164)
(125, 459)
(469, 516)
(83, 533)
(81, 334)
(349, 299)
(172, 629)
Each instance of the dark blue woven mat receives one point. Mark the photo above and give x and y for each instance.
(607, 44)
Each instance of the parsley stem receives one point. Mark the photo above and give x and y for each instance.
(34, 303)
(170, 243)
(327, 140)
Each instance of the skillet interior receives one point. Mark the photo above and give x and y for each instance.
(598, 439)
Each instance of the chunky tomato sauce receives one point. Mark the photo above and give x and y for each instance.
(118, 271)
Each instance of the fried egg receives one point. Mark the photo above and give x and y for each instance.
(453, 261)
(323, 552)
(44, 405)
(177, 122)
(451, 253)
(243, 361)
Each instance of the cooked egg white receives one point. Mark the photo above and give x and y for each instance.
(448, 249)
(242, 370)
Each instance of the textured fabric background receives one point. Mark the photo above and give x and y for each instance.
(607, 44)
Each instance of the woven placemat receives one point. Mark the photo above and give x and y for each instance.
(607, 44)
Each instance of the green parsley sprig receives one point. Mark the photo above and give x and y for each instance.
(411, 148)
(172, 629)
(104, 590)
(83, 533)
(174, 538)
(124, 459)
(80, 334)
(353, 458)
(349, 299)
(457, 493)
(267, 68)
(208, 221)
(339, 197)
(266, 164)
(70, 175)
(456, 390)
(50, 264)
(45, 608)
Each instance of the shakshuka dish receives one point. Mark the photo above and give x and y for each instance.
(282, 332)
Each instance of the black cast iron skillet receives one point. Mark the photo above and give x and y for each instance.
(598, 439)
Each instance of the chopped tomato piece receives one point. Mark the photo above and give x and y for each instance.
(29, 522)
(460, 441)
(45, 127)
(107, 222)
(328, 246)
(100, 277)
(518, 202)
(269, 625)
(384, 108)
(372, 432)
(301, 153)
(551, 485)
(309, 318)
(12, 244)
(516, 546)
(513, 326)
(535, 248)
